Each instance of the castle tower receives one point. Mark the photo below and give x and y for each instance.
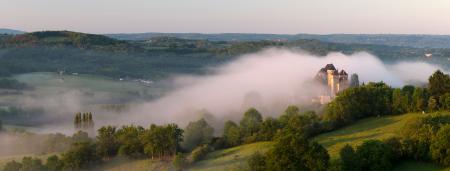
(334, 80)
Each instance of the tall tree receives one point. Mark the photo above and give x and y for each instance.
(439, 83)
(418, 99)
(251, 122)
(349, 158)
(107, 144)
(354, 80)
(231, 134)
(292, 151)
(196, 133)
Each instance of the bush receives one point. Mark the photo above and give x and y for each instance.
(54, 163)
(257, 162)
(440, 146)
(292, 151)
(374, 155)
(349, 160)
(180, 162)
(12, 166)
(199, 153)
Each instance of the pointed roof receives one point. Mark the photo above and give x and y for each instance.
(343, 72)
(330, 67)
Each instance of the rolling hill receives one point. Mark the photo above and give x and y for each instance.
(235, 158)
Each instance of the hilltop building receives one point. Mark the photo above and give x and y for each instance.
(334, 81)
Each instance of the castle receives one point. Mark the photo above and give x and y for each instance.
(334, 80)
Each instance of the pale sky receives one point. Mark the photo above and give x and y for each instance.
(229, 16)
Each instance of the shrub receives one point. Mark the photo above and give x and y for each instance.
(374, 155)
(257, 162)
(199, 153)
(180, 162)
(440, 146)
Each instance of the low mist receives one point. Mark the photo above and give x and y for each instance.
(269, 80)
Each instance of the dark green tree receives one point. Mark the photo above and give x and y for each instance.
(231, 134)
(54, 163)
(250, 124)
(418, 99)
(268, 130)
(12, 166)
(79, 156)
(439, 83)
(374, 155)
(130, 144)
(349, 159)
(107, 143)
(292, 151)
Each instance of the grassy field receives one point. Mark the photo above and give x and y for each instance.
(235, 158)
(370, 128)
(232, 158)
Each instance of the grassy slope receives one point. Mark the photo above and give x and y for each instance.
(370, 128)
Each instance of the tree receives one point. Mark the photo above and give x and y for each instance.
(374, 155)
(161, 141)
(196, 133)
(130, 144)
(418, 99)
(269, 128)
(440, 146)
(250, 123)
(400, 101)
(349, 158)
(444, 100)
(432, 104)
(12, 166)
(54, 163)
(439, 83)
(354, 80)
(80, 136)
(79, 156)
(292, 151)
(231, 134)
(107, 143)
(32, 164)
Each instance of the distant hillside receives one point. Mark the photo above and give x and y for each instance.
(418, 41)
(66, 38)
(10, 31)
(158, 57)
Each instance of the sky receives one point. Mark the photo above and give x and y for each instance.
(229, 16)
